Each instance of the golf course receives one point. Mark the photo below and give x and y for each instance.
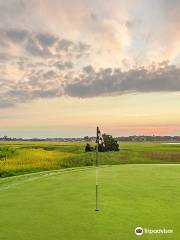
(60, 204)
(53, 196)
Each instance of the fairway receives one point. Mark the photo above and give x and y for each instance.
(59, 205)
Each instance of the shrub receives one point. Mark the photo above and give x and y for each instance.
(110, 144)
(88, 148)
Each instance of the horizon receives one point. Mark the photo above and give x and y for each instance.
(67, 66)
(41, 135)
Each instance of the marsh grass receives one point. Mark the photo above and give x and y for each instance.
(27, 157)
(31, 159)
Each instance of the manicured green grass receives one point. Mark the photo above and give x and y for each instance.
(26, 157)
(60, 204)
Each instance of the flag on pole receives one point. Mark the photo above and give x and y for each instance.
(99, 141)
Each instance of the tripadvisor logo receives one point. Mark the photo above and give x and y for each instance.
(140, 231)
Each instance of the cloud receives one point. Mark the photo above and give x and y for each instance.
(15, 35)
(46, 39)
(42, 54)
(64, 44)
(37, 85)
(33, 66)
(116, 29)
(88, 83)
(63, 65)
(115, 82)
(40, 44)
(6, 104)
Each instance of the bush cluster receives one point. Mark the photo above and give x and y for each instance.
(110, 144)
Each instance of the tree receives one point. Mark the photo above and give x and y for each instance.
(86, 138)
(88, 148)
(110, 144)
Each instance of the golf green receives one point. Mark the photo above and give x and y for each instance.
(60, 205)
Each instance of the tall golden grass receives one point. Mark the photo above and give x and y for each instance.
(34, 159)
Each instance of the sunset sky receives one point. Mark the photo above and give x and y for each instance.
(67, 66)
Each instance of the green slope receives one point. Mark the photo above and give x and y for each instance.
(60, 205)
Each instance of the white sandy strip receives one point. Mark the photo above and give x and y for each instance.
(171, 143)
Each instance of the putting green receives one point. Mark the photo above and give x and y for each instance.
(60, 205)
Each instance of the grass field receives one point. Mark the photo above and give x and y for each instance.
(26, 157)
(60, 204)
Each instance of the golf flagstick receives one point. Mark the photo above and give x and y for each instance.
(97, 170)
(99, 142)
